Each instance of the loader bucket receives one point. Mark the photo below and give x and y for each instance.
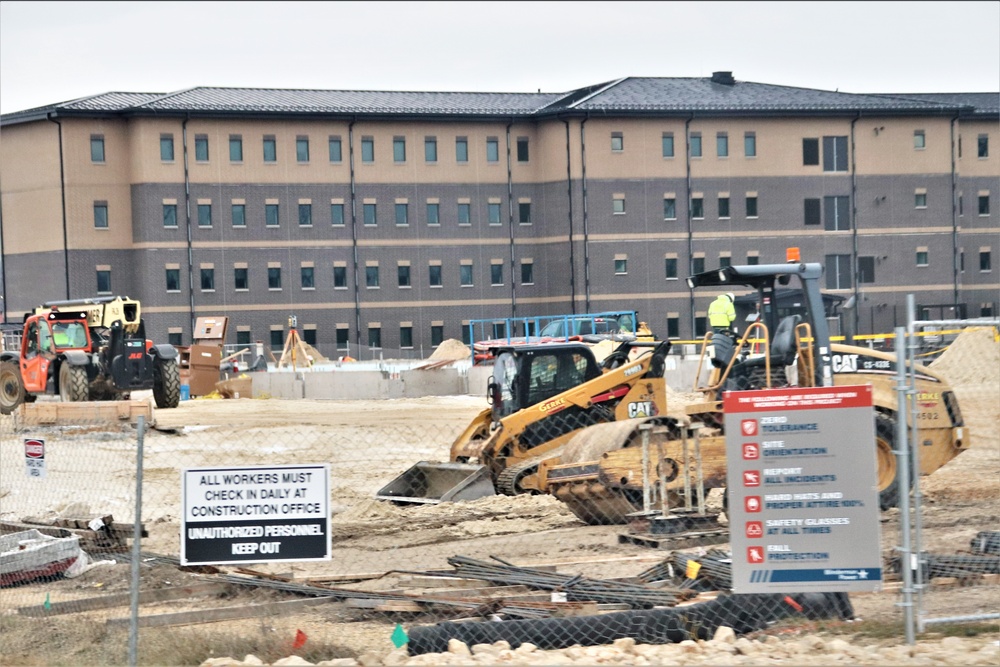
(429, 483)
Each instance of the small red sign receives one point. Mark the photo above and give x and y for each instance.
(755, 529)
(749, 426)
(34, 449)
(751, 478)
(752, 504)
(755, 554)
(751, 451)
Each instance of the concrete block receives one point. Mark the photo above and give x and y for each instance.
(432, 382)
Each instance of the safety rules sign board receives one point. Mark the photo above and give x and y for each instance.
(238, 515)
(803, 493)
(34, 457)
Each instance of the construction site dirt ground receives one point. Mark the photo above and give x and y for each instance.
(368, 443)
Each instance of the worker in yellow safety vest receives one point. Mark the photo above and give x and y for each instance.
(722, 313)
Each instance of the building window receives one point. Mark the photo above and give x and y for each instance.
(241, 279)
(271, 218)
(838, 272)
(406, 337)
(984, 204)
(465, 214)
(274, 277)
(722, 144)
(837, 213)
(97, 148)
(496, 274)
(309, 336)
(277, 338)
(465, 275)
(866, 269)
(919, 140)
(308, 277)
(305, 215)
(812, 211)
(167, 147)
(753, 260)
(670, 268)
(492, 149)
(461, 149)
(617, 142)
(100, 215)
(270, 149)
(402, 214)
(522, 149)
(668, 144)
(920, 200)
(696, 145)
(235, 148)
(724, 261)
(697, 265)
(724, 207)
(336, 150)
(697, 208)
(834, 153)
(433, 214)
(493, 213)
(621, 267)
(982, 146)
(700, 326)
(527, 273)
(437, 334)
(103, 281)
(370, 214)
(922, 258)
(367, 149)
(170, 215)
(371, 277)
(302, 149)
(403, 275)
(673, 326)
(398, 149)
(174, 338)
(810, 152)
(207, 280)
(343, 344)
(374, 337)
(239, 215)
(985, 261)
(434, 275)
(340, 277)
(173, 280)
(204, 215)
(337, 215)
(618, 206)
(201, 148)
(430, 149)
(669, 208)
(524, 213)
(750, 144)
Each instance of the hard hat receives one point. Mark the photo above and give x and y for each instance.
(732, 297)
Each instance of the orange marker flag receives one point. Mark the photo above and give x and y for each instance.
(300, 639)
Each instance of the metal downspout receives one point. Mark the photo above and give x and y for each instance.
(187, 222)
(510, 225)
(955, 266)
(62, 195)
(586, 220)
(354, 234)
(854, 230)
(687, 206)
(569, 199)
(3, 268)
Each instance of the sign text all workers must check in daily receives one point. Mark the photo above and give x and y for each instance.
(236, 515)
(803, 496)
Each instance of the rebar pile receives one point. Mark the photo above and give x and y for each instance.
(577, 587)
(960, 566)
(715, 573)
(986, 542)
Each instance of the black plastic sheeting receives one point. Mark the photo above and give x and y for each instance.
(742, 613)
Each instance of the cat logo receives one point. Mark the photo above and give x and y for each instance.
(845, 363)
(553, 406)
(642, 409)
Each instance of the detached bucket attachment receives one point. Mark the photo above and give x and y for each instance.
(429, 483)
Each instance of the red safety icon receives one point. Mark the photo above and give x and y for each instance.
(751, 451)
(755, 529)
(755, 554)
(752, 504)
(751, 478)
(749, 427)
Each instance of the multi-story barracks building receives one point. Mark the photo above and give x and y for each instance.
(389, 219)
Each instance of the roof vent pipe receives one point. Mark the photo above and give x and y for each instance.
(725, 78)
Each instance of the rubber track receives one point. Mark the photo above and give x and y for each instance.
(508, 478)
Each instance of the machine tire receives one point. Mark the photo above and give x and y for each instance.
(11, 388)
(167, 384)
(888, 473)
(73, 384)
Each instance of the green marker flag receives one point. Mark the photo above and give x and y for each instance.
(47, 605)
(399, 636)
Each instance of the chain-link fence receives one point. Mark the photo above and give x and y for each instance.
(575, 549)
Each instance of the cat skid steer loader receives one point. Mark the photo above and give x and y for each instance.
(600, 479)
(542, 395)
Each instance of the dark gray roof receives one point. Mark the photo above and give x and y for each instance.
(627, 96)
